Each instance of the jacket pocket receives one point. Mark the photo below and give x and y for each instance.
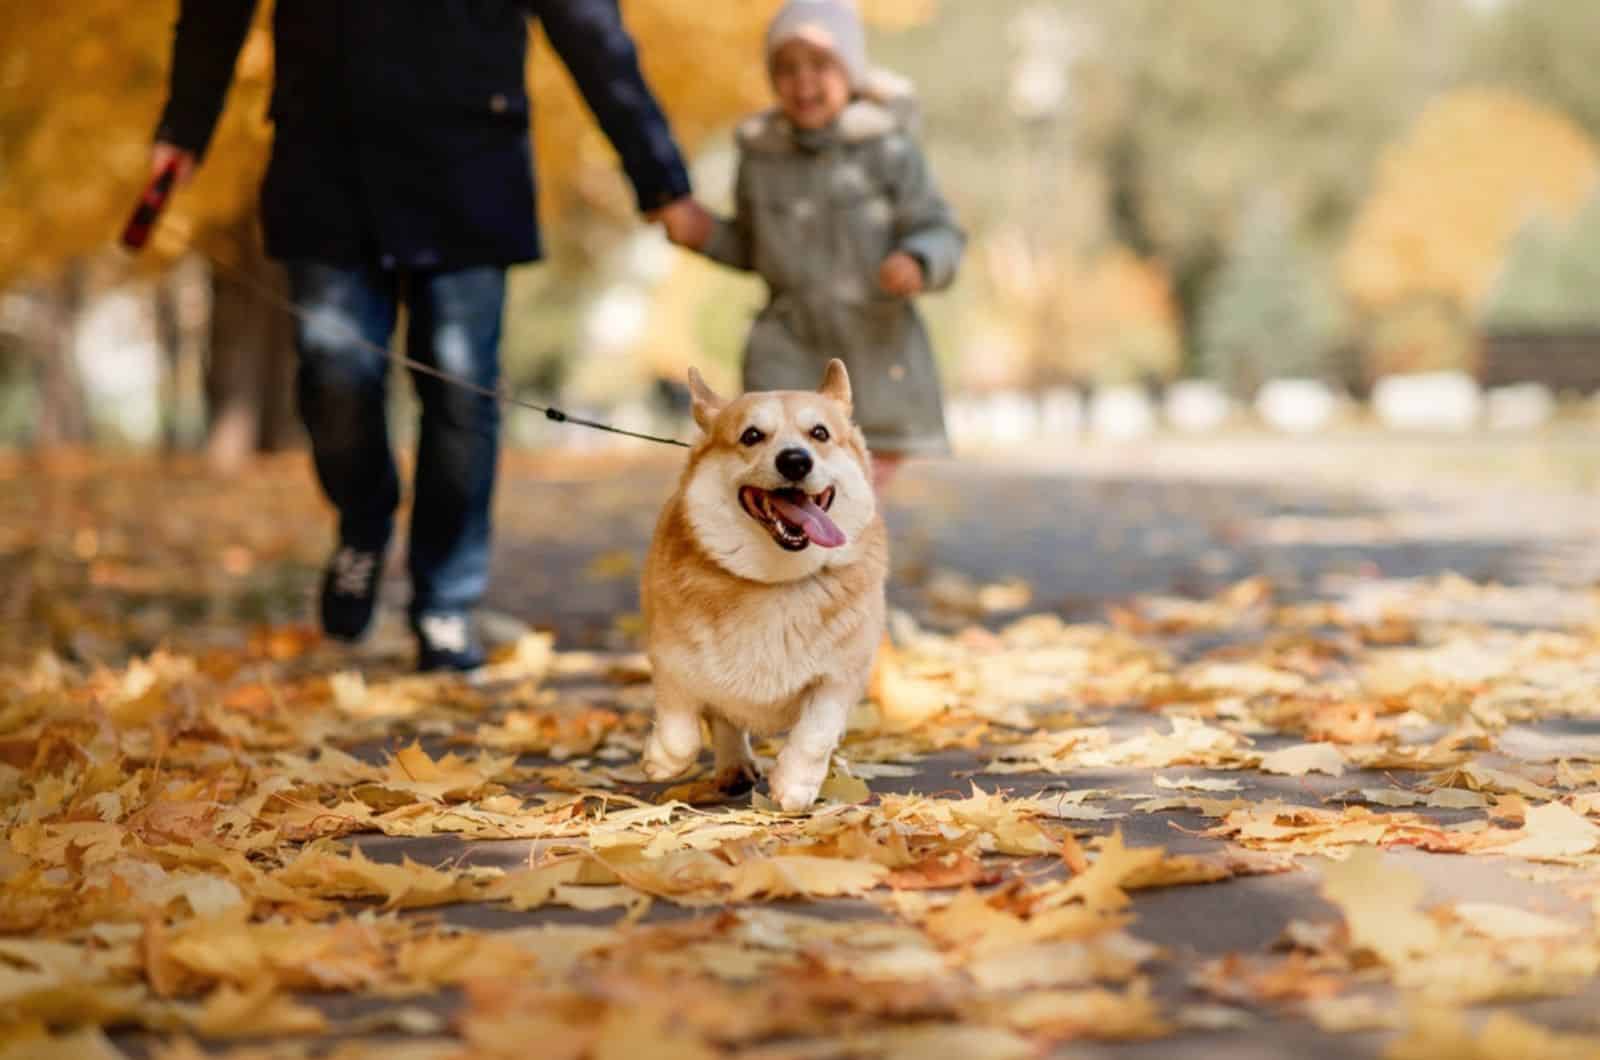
(788, 233)
(863, 222)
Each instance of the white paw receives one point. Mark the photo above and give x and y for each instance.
(659, 764)
(795, 789)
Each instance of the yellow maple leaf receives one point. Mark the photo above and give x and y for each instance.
(1305, 758)
(411, 770)
(648, 1029)
(969, 921)
(324, 873)
(1509, 922)
(229, 1012)
(1089, 1013)
(1110, 957)
(35, 1042)
(792, 875)
(942, 1041)
(1445, 1034)
(1553, 831)
(843, 788)
(1379, 903)
(439, 958)
(1100, 887)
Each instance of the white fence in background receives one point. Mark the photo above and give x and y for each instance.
(1428, 401)
(1435, 402)
(1297, 406)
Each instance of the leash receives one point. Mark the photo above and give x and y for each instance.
(147, 213)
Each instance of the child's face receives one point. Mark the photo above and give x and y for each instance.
(811, 86)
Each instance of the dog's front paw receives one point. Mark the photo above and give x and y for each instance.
(659, 764)
(795, 788)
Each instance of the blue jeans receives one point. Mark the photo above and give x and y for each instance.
(454, 325)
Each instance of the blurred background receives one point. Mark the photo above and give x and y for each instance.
(1184, 217)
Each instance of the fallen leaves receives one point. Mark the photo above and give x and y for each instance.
(199, 840)
(797, 874)
(1380, 906)
(1553, 832)
(1444, 1034)
(1295, 829)
(1304, 758)
(1507, 923)
(252, 1013)
(324, 872)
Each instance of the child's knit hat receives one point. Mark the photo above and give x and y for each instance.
(830, 24)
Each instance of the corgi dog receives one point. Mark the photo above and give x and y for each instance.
(763, 589)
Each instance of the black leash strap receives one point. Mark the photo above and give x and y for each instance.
(143, 222)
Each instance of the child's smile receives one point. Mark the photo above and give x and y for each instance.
(811, 86)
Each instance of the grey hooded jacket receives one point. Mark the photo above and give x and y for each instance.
(816, 212)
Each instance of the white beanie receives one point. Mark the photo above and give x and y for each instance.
(830, 24)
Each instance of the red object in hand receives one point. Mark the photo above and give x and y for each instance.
(151, 203)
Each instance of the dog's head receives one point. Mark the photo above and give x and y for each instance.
(778, 487)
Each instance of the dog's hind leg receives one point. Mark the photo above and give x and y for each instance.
(803, 762)
(735, 768)
(674, 741)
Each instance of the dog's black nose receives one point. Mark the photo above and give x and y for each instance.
(794, 464)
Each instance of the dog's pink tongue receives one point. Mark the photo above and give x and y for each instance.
(813, 520)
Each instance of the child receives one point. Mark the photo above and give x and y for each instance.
(836, 210)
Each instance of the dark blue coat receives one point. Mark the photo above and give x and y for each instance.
(402, 125)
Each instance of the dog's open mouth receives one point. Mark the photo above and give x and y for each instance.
(794, 518)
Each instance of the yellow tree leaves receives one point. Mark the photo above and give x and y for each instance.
(706, 73)
(81, 89)
(678, 46)
(1449, 197)
(1107, 319)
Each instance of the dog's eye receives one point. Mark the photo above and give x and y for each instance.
(751, 436)
(820, 433)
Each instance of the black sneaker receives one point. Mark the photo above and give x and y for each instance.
(446, 641)
(350, 591)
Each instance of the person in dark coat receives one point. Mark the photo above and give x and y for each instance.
(401, 173)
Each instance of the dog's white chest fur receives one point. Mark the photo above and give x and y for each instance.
(753, 664)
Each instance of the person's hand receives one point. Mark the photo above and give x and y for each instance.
(687, 222)
(900, 275)
(164, 154)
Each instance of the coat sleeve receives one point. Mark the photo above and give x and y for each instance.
(205, 45)
(595, 46)
(924, 225)
(732, 241)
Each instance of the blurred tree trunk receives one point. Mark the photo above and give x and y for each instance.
(169, 338)
(182, 310)
(280, 416)
(63, 413)
(250, 379)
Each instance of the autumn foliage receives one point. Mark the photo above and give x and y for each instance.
(1449, 197)
(247, 832)
(82, 86)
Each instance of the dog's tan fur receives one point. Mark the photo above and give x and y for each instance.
(753, 637)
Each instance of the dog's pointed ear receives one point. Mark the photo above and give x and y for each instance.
(705, 402)
(836, 383)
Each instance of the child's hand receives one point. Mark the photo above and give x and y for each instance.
(900, 275)
(687, 222)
